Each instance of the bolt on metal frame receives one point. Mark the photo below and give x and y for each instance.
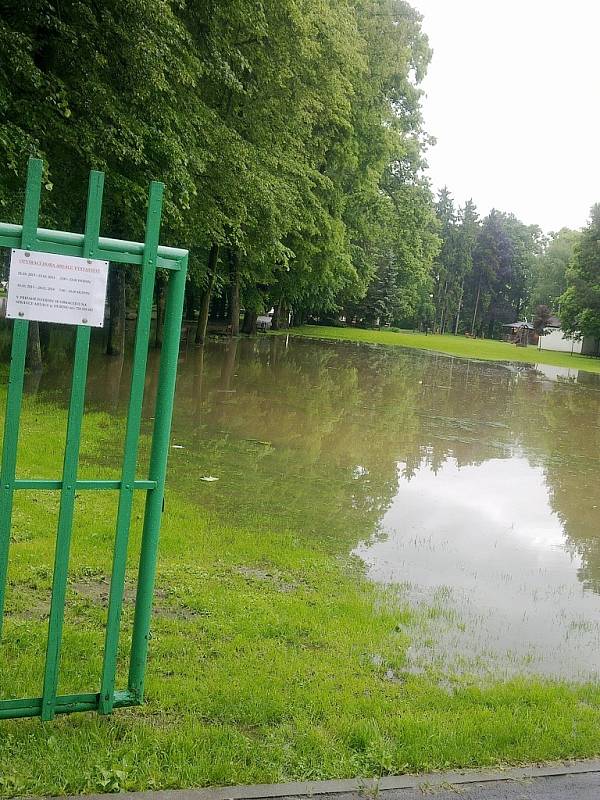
(148, 255)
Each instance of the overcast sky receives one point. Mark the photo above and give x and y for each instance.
(513, 99)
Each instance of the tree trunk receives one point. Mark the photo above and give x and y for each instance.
(116, 304)
(441, 305)
(280, 316)
(234, 292)
(34, 349)
(213, 257)
(476, 308)
(160, 310)
(275, 318)
(203, 315)
(460, 302)
(249, 325)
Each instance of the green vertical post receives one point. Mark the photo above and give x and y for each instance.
(149, 255)
(157, 472)
(70, 466)
(14, 397)
(132, 434)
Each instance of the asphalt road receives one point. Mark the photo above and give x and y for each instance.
(563, 787)
(577, 780)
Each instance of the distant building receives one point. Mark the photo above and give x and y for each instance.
(520, 333)
(264, 321)
(556, 339)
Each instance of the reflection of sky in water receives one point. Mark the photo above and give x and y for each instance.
(483, 544)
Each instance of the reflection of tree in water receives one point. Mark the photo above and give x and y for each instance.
(555, 424)
(305, 440)
(340, 419)
(568, 434)
(336, 420)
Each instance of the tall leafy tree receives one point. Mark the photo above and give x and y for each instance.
(466, 239)
(445, 263)
(502, 262)
(289, 134)
(549, 273)
(580, 303)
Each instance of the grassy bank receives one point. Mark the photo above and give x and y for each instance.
(270, 660)
(461, 346)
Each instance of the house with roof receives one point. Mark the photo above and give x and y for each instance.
(559, 341)
(521, 333)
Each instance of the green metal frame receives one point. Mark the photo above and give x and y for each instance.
(148, 255)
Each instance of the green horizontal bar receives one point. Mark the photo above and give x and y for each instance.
(36, 483)
(71, 244)
(32, 706)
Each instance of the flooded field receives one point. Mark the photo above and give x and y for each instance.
(469, 489)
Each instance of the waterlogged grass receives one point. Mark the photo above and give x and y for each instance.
(270, 659)
(461, 346)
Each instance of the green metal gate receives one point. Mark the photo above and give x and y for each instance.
(149, 256)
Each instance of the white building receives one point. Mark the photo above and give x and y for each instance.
(556, 339)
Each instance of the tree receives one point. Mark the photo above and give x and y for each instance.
(459, 231)
(491, 259)
(288, 132)
(445, 263)
(549, 273)
(541, 319)
(580, 303)
(527, 245)
(502, 261)
(466, 239)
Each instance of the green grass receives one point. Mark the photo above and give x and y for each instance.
(461, 346)
(271, 659)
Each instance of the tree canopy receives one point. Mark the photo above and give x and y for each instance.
(288, 132)
(580, 303)
(290, 137)
(549, 274)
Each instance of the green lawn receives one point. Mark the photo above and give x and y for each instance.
(461, 346)
(271, 659)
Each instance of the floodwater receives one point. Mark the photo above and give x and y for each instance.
(469, 489)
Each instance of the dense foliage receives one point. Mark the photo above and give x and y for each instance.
(483, 273)
(288, 133)
(580, 303)
(290, 137)
(549, 277)
(497, 271)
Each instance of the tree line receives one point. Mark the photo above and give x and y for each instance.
(290, 137)
(288, 133)
(497, 270)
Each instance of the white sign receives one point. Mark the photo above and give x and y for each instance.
(51, 288)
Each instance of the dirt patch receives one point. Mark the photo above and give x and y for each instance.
(176, 612)
(98, 591)
(268, 576)
(38, 610)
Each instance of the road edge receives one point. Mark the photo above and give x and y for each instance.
(366, 786)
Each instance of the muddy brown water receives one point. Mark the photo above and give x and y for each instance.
(469, 489)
